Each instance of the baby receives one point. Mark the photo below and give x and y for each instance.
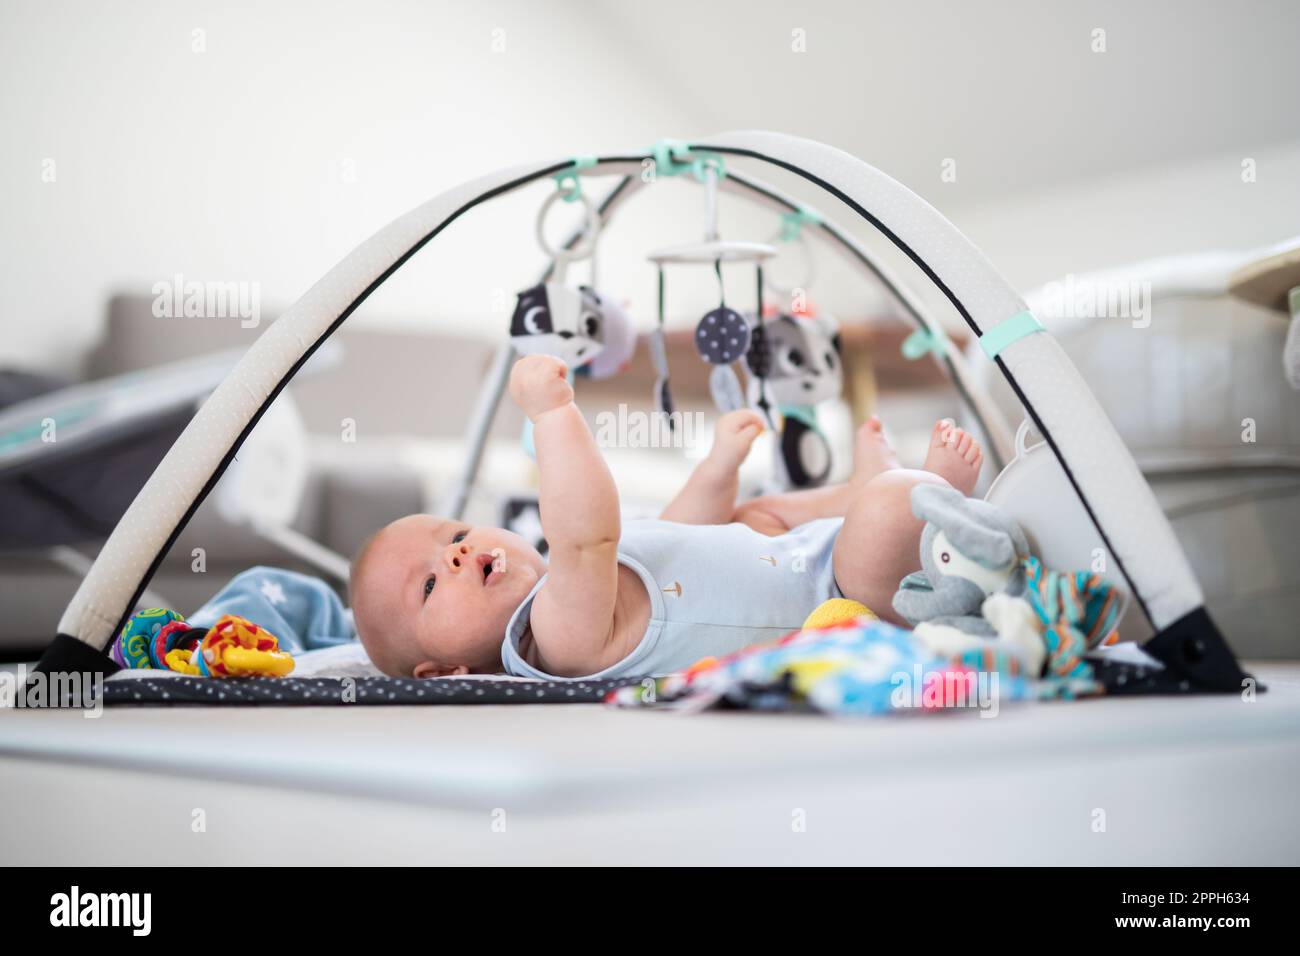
(434, 597)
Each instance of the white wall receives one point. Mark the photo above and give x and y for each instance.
(1198, 204)
(227, 165)
(232, 164)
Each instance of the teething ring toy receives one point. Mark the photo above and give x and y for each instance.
(234, 647)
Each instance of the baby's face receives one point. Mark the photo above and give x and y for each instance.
(434, 596)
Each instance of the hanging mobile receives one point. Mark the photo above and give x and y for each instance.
(723, 335)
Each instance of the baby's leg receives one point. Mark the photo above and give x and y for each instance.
(777, 514)
(880, 542)
(709, 495)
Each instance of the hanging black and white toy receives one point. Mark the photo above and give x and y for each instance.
(798, 358)
(803, 359)
(555, 319)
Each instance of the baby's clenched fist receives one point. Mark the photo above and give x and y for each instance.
(538, 384)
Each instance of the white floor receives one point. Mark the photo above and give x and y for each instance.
(1206, 780)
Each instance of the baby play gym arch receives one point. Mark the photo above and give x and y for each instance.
(1099, 468)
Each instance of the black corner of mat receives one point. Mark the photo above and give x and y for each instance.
(67, 655)
(1194, 649)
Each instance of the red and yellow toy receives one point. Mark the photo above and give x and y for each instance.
(233, 647)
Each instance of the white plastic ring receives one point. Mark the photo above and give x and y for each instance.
(582, 249)
(809, 267)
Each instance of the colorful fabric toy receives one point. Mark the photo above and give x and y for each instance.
(137, 646)
(233, 647)
(857, 667)
(981, 600)
(1078, 612)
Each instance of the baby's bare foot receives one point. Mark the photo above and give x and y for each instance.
(872, 453)
(954, 455)
(733, 437)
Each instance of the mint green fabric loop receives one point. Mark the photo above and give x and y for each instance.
(569, 187)
(673, 158)
(996, 340)
(792, 222)
(567, 182)
(923, 342)
(666, 153)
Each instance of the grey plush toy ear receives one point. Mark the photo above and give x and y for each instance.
(980, 531)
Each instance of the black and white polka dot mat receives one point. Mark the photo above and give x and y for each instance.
(350, 691)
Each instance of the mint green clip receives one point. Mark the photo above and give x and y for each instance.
(804, 413)
(566, 181)
(923, 342)
(673, 157)
(792, 222)
(996, 340)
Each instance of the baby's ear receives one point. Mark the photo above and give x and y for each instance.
(430, 669)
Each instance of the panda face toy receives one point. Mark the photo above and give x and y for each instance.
(802, 361)
(554, 319)
(618, 337)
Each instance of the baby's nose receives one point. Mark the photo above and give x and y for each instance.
(457, 556)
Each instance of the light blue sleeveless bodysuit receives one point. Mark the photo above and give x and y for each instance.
(713, 590)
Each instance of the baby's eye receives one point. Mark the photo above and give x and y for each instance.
(459, 537)
(428, 586)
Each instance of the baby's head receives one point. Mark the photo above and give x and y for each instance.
(433, 597)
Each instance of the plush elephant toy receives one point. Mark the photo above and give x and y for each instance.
(970, 549)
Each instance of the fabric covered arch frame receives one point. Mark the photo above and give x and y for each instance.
(1098, 465)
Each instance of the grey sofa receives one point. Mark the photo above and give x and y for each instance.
(382, 381)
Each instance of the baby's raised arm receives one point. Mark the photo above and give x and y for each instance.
(573, 615)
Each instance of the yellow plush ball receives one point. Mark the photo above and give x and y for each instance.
(836, 611)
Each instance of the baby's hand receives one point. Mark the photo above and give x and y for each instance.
(538, 384)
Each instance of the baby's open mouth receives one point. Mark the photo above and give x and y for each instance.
(492, 566)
